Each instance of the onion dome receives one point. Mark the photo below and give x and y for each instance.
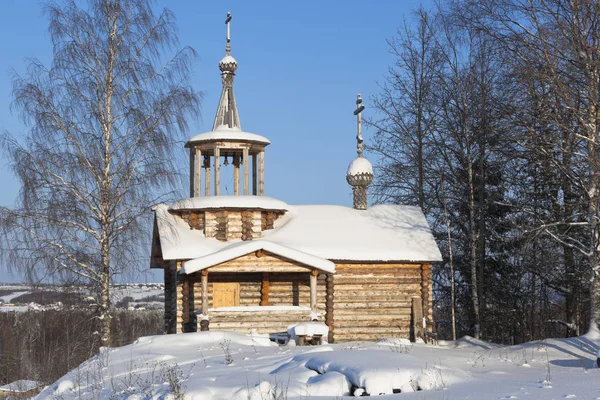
(360, 172)
(228, 64)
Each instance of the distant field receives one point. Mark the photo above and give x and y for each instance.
(23, 297)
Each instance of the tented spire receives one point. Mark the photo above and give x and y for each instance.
(227, 114)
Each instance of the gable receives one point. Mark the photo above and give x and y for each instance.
(258, 256)
(261, 261)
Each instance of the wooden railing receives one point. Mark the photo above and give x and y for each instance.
(265, 319)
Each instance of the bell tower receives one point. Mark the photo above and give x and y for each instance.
(227, 141)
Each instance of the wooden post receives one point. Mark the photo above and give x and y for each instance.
(204, 277)
(313, 290)
(207, 175)
(246, 162)
(329, 306)
(198, 173)
(185, 309)
(426, 298)
(264, 289)
(192, 169)
(261, 173)
(417, 318)
(217, 171)
(236, 174)
(254, 180)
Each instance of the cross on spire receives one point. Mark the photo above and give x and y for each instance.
(227, 22)
(359, 138)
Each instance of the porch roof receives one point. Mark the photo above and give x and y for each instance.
(240, 249)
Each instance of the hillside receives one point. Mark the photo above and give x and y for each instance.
(24, 297)
(221, 365)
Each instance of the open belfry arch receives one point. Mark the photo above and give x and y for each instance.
(227, 142)
(248, 262)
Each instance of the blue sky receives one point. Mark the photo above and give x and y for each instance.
(301, 65)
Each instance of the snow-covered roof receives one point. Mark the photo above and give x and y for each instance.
(229, 134)
(360, 165)
(245, 202)
(380, 233)
(178, 241)
(240, 249)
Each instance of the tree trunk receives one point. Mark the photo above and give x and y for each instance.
(473, 246)
(595, 299)
(104, 307)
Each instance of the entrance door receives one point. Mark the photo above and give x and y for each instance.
(226, 294)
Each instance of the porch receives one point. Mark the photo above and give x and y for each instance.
(263, 290)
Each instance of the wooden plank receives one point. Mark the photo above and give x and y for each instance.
(198, 173)
(192, 155)
(374, 305)
(236, 175)
(254, 176)
(204, 293)
(359, 323)
(313, 290)
(217, 171)
(412, 288)
(373, 266)
(261, 173)
(374, 281)
(207, 176)
(246, 163)
(373, 316)
(329, 307)
(417, 319)
(257, 268)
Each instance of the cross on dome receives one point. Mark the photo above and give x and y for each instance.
(359, 138)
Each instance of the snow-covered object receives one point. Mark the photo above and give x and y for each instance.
(381, 233)
(308, 329)
(240, 249)
(230, 202)
(360, 165)
(225, 133)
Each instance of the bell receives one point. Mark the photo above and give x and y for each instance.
(225, 162)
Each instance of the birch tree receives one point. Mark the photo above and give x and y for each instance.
(103, 119)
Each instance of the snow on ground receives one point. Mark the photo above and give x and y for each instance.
(224, 365)
(20, 386)
(13, 295)
(137, 291)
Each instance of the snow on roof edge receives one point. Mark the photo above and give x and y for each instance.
(241, 249)
(228, 135)
(217, 202)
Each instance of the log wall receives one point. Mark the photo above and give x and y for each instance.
(359, 302)
(267, 321)
(226, 225)
(373, 301)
